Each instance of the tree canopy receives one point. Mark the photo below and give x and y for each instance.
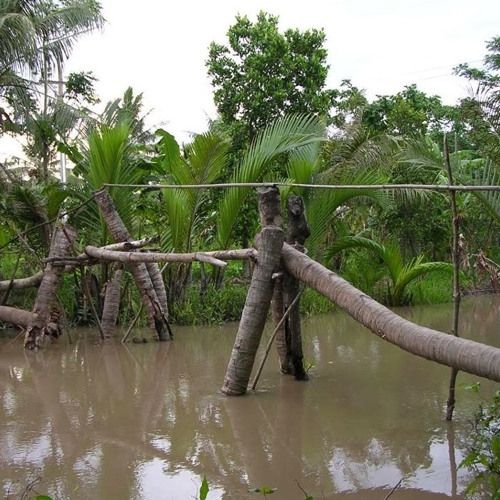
(262, 74)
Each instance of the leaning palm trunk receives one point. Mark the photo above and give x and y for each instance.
(15, 316)
(466, 355)
(111, 306)
(43, 324)
(20, 283)
(159, 285)
(139, 270)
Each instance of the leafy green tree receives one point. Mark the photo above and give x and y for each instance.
(481, 110)
(401, 274)
(262, 74)
(407, 113)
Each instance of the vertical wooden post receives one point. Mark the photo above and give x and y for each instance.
(42, 324)
(297, 233)
(455, 253)
(139, 270)
(259, 295)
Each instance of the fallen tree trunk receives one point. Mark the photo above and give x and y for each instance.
(466, 355)
(18, 283)
(15, 316)
(43, 323)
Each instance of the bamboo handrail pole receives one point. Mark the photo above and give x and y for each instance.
(425, 187)
(215, 257)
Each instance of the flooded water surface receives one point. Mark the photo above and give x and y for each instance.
(148, 422)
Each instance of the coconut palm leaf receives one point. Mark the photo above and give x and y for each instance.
(412, 271)
(202, 163)
(323, 204)
(401, 274)
(286, 134)
(107, 160)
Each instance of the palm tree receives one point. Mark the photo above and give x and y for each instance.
(401, 274)
(36, 37)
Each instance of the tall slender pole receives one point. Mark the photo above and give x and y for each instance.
(450, 405)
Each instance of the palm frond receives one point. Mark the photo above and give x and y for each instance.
(323, 205)
(286, 134)
(416, 269)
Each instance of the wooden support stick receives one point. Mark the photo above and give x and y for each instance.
(297, 233)
(271, 340)
(455, 253)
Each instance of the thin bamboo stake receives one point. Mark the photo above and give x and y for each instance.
(273, 336)
(450, 405)
(425, 187)
(86, 289)
(134, 321)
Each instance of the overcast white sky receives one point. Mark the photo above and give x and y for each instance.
(160, 47)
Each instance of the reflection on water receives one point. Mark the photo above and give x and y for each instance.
(147, 421)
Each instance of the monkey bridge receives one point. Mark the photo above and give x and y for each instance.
(280, 267)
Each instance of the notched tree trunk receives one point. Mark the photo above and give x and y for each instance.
(45, 322)
(254, 315)
(297, 233)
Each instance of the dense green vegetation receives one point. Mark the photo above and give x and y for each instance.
(277, 122)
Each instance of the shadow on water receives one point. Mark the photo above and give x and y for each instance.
(147, 421)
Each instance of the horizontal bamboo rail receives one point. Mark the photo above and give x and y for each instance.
(387, 187)
(216, 258)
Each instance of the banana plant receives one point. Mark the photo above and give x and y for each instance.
(401, 274)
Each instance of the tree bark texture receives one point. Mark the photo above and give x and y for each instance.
(111, 306)
(278, 310)
(297, 233)
(159, 285)
(467, 355)
(43, 323)
(254, 315)
(139, 270)
(15, 316)
(19, 283)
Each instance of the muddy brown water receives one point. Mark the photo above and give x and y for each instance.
(147, 421)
